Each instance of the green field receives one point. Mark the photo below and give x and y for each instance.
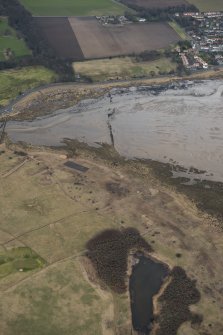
(208, 5)
(10, 40)
(122, 68)
(73, 7)
(180, 31)
(16, 81)
(19, 259)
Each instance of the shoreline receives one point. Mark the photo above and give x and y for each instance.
(207, 200)
(206, 195)
(65, 95)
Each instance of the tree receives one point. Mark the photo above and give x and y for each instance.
(22, 21)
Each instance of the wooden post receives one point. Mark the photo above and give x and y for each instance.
(3, 131)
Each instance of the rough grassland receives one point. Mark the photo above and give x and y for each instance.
(55, 211)
(10, 40)
(208, 5)
(122, 68)
(73, 7)
(16, 81)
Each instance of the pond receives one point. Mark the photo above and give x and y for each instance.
(145, 281)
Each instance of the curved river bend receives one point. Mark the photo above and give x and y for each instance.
(183, 125)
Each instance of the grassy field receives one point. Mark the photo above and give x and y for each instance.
(55, 211)
(180, 31)
(19, 259)
(58, 299)
(122, 68)
(9, 39)
(208, 5)
(14, 82)
(73, 7)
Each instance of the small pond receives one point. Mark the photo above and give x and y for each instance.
(145, 281)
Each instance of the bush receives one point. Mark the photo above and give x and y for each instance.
(108, 252)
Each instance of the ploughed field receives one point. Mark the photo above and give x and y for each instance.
(60, 36)
(81, 38)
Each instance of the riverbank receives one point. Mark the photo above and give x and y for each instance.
(159, 125)
(48, 99)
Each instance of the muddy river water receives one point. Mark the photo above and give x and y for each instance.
(181, 123)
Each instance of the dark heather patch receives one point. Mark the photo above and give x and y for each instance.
(175, 303)
(108, 252)
(117, 188)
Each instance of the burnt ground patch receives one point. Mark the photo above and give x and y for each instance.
(175, 302)
(117, 189)
(60, 36)
(108, 252)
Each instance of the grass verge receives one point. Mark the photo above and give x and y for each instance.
(180, 31)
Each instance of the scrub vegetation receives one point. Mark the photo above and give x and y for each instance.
(123, 68)
(108, 251)
(175, 302)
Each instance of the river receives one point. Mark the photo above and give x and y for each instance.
(180, 124)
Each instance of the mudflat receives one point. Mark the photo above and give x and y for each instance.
(180, 124)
